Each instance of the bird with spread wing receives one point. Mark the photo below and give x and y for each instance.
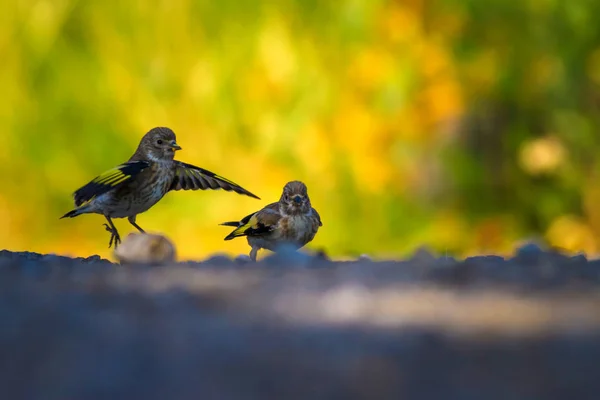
(291, 221)
(138, 184)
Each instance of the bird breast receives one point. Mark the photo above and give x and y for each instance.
(298, 228)
(151, 188)
(161, 180)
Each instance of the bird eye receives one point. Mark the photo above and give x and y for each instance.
(159, 141)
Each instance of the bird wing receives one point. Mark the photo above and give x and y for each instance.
(109, 180)
(256, 224)
(318, 216)
(190, 177)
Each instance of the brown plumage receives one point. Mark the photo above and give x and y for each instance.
(291, 220)
(135, 186)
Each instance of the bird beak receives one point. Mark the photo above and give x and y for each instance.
(297, 199)
(175, 146)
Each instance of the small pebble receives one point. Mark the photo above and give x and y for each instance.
(287, 255)
(423, 255)
(529, 251)
(579, 259)
(243, 259)
(364, 258)
(218, 260)
(145, 248)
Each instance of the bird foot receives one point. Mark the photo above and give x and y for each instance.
(114, 236)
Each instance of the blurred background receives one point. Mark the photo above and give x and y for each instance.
(461, 125)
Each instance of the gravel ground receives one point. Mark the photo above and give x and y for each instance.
(295, 326)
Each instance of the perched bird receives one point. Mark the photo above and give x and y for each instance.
(138, 248)
(291, 221)
(133, 187)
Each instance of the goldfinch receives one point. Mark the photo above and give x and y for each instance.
(135, 186)
(291, 221)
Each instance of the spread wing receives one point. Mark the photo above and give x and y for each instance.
(109, 180)
(190, 177)
(256, 224)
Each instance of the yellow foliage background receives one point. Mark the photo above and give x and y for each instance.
(457, 125)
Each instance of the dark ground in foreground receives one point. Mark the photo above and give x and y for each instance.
(296, 327)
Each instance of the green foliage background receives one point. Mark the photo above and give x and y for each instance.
(461, 125)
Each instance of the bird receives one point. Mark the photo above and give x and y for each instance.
(291, 221)
(135, 186)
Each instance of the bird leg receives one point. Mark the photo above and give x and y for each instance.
(132, 222)
(114, 234)
(253, 253)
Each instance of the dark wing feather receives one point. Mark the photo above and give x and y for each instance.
(190, 177)
(256, 224)
(318, 217)
(109, 180)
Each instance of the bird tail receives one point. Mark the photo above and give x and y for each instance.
(238, 231)
(75, 212)
(231, 223)
(241, 226)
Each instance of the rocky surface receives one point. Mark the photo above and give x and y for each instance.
(299, 327)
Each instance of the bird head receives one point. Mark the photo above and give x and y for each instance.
(294, 199)
(159, 144)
